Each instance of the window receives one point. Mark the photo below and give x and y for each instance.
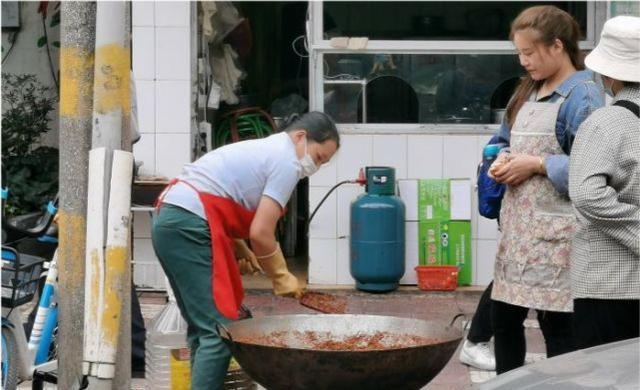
(426, 63)
(418, 88)
(445, 21)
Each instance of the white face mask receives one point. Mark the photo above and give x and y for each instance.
(307, 164)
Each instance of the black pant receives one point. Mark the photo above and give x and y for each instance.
(602, 321)
(481, 330)
(510, 342)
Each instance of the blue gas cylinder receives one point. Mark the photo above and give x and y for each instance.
(377, 233)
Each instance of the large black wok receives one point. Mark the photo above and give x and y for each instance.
(296, 366)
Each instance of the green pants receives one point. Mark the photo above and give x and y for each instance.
(182, 243)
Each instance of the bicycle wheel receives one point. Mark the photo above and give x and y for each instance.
(9, 360)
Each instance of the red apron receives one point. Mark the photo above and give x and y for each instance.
(227, 220)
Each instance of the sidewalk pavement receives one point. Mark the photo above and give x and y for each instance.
(406, 302)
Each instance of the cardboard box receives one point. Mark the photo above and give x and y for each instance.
(446, 243)
(433, 242)
(444, 199)
(460, 198)
(437, 225)
(459, 250)
(433, 200)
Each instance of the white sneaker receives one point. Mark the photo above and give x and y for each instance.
(478, 355)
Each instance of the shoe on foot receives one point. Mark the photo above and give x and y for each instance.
(478, 355)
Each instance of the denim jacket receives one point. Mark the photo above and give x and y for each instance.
(582, 96)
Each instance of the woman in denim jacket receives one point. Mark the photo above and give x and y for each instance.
(532, 263)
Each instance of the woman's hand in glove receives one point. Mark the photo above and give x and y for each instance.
(284, 282)
(247, 261)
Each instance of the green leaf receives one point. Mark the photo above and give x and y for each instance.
(55, 19)
(56, 43)
(42, 41)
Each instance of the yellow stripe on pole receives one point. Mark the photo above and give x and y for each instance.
(71, 234)
(92, 311)
(116, 259)
(112, 79)
(75, 87)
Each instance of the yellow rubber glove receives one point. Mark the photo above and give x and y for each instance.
(247, 262)
(284, 282)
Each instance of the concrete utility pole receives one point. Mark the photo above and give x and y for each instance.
(77, 37)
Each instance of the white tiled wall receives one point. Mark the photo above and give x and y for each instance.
(172, 106)
(414, 156)
(172, 152)
(356, 151)
(459, 156)
(143, 46)
(343, 269)
(326, 176)
(161, 67)
(162, 75)
(424, 155)
(172, 13)
(143, 13)
(145, 152)
(172, 54)
(391, 150)
(323, 224)
(411, 253)
(323, 255)
(346, 194)
(146, 100)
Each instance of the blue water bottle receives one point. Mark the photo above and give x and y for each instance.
(491, 151)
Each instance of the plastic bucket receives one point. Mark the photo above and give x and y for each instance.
(437, 277)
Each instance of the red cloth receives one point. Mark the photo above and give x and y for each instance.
(227, 221)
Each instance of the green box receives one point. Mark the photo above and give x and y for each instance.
(459, 250)
(446, 243)
(432, 247)
(434, 200)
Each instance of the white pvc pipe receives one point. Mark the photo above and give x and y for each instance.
(116, 261)
(94, 257)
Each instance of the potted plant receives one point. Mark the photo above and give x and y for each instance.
(31, 169)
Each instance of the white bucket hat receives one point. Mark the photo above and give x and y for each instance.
(618, 52)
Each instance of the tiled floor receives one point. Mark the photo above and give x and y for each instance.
(406, 302)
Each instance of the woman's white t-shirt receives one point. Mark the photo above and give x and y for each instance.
(242, 171)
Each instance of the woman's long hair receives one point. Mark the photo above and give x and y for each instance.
(548, 23)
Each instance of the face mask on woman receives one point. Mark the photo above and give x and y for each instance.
(307, 164)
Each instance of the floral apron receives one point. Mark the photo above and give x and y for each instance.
(532, 263)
